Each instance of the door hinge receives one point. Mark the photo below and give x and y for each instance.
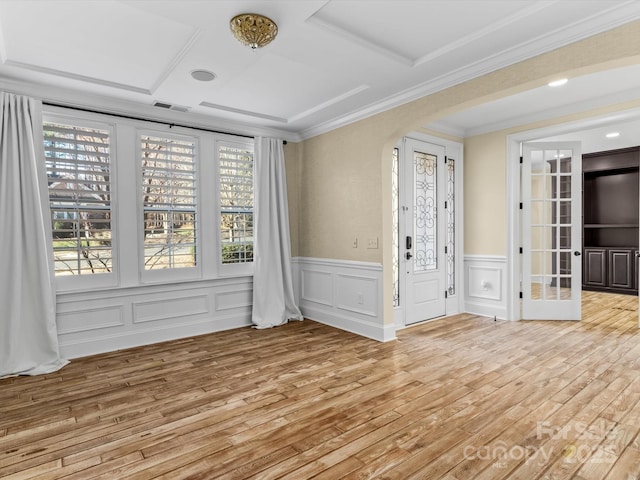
(446, 294)
(521, 160)
(445, 204)
(521, 250)
(446, 249)
(445, 159)
(521, 205)
(521, 295)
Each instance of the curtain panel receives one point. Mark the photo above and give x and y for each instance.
(273, 298)
(28, 333)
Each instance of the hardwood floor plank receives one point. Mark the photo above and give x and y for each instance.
(305, 400)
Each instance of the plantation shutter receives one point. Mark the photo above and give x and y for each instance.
(236, 204)
(169, 202)
(78, 167)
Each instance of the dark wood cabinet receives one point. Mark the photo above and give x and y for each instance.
(595, 267)
(610, 199)
(610, 269)
(621, 271)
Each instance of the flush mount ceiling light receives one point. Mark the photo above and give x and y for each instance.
(612, 135)
(203, 75)
(253, 29)
(558, 83)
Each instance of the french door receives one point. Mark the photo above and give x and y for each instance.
(551, 231)
(423, 236)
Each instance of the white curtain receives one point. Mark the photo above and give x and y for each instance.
(28, 336)
(273, 299)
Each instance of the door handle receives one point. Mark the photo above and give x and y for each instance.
(408, 256)
(577, 253)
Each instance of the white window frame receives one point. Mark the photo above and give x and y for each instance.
(231, 269)
(167, 275)
(126, 204)
(66, 283)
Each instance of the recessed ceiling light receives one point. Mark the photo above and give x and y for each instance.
(612, 135)
(557, 83)
(203, 75)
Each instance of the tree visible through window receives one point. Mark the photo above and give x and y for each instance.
(169, 202)
(236, 204)
(79, 179)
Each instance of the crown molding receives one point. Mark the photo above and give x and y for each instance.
(73, 98)
(614, 17)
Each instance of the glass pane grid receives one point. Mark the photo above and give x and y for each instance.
(550, 226)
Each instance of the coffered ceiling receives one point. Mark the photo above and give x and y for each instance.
(333, 61)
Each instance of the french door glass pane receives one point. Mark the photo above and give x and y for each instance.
(551, 225)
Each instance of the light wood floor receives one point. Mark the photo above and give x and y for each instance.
(458, 398)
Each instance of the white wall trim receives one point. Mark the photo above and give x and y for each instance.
(106, 320)
(485, 285)
(111, 341)
(344, 294)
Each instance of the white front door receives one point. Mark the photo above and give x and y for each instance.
(422, 241)
(552, 231)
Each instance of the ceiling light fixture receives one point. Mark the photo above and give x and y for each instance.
(558, 83)
(253, 29)
(203, 75)
(612, 135)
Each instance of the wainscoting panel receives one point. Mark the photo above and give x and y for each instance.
(343, 294)
(317, 286)
(234, 299)
(169, 308)
(108, 320)
(485, 288)
(90, 319)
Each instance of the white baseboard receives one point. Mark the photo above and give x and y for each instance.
(382, 333)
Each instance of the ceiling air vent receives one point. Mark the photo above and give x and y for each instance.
(168, 106)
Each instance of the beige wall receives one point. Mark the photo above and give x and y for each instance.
(485, 185)
(485, 195)
(345, 170)
(345, 176)
(293, 166)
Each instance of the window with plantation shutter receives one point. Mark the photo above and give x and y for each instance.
(236, 204)
(168, 202)
(79, 180)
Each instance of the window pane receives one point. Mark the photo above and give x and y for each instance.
(451, 226)
(168, 202)
(395, 215)
(79, 180)
(236, 204)
(425, 212)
